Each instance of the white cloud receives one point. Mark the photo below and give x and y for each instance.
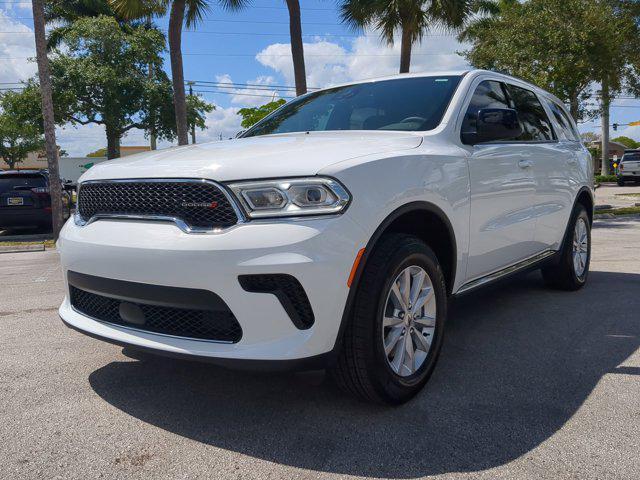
(631, 132)
(15, 46)
(83, 139)
(329, 63)
(249, 97)
(222, 123)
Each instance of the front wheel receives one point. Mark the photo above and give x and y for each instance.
(620, 182)
(571, 271)
(393, 339)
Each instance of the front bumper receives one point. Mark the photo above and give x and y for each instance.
(319, 253)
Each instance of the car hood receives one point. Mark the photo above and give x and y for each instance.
(286, 155)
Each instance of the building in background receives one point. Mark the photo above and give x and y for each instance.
(38, 160)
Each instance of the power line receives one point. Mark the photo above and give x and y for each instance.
(264, 7)
(288, 55)
(265, 22)
(270, 34)
(242, 94)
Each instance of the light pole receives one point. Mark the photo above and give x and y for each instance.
(193, 126)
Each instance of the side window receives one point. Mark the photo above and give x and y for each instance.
(533, 118)
(566, 131)
(488, 94)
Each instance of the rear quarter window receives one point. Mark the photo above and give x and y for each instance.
(567, 132)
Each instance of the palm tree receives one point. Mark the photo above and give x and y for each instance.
(411, 17)
(187, 12)
(297, 49)
(47, 114)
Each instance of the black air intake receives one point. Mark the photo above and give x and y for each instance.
(289, 292)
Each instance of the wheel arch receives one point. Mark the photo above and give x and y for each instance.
(442, 240)
(585, 198)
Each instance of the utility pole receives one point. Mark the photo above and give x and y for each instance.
(605, 106)
(55, 187)
(193, 127)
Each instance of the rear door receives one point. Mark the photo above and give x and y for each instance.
(552, 159)
(502, 221)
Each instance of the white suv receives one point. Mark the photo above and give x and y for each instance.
(334, 232)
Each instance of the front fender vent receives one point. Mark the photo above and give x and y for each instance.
(287, 290)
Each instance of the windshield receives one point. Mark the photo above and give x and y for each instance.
(21, 182)
(406, 104)
(631, 157)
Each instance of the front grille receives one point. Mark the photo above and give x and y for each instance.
(199, 324)
(287, 290)
(201, 205)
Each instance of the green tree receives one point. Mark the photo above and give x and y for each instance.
(546, 42)
(101, 152)
(568, 47)
(411, 17)
(188, 12)
(626, 141)
(103, 79)
(17, 138)
(251, 116)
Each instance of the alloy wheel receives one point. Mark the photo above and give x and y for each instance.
(580, 247)
(409, 321)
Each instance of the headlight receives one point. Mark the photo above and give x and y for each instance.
(291, 197)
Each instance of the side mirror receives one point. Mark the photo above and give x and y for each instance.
(494, 124)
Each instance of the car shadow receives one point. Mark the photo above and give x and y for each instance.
(518, 362)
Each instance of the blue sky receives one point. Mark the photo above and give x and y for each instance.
(252, 46)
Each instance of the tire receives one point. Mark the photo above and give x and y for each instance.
(620, 182)
(364, 368)
(565, 275)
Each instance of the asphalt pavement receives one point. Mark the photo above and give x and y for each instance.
(532, 384)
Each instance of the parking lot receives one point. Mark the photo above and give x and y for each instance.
(532, 383)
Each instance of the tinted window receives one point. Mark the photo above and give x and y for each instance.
(21, 182)
(566, 129)
(488, 94)
(409, 104)
(533, 118)
(631, 157)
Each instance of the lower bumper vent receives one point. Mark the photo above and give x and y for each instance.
(180, 322)
(289, 292)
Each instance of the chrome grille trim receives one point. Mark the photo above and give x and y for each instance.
(179, 222)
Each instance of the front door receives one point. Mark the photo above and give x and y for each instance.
(502, 221)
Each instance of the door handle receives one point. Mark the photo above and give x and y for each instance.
(525, 163)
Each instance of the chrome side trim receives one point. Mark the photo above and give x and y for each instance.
(181, 224)
(492, 277)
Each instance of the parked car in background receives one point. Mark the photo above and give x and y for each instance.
(334, 231)
(629, 167)
(25, 200)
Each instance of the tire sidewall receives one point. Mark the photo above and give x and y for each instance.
(580, 212)
(389, 384)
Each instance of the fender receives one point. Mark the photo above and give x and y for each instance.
(370, 247)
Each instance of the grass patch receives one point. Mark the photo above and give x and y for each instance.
(620, 211)
(606, 178)
(628, 194)
(47, 243)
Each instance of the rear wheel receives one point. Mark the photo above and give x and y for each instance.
(571, 272)
(393, 339)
